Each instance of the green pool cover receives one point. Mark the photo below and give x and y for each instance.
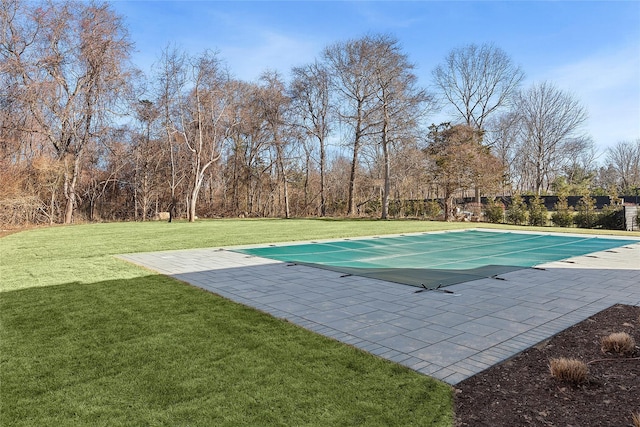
(434, 260)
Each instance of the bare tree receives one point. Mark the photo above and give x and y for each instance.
(624, 159)
(550, 131)
(401, 103)
(72, 70)
(170, 81)
(27, 172)
(249, 145)
(580, 169)
(147, 156)
(202, 122)
(274, 105)
(477, 81)
(195, 97)
(352, 68)
(310, 103)
(503, 140)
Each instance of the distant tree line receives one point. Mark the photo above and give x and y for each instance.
(85, 136)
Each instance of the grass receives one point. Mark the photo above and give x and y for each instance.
(87, 339)
(151, 351)
(82, 253)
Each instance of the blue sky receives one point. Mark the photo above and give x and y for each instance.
(588, 48)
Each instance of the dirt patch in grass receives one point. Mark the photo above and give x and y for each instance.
(522, 392)
(6, 232)
(7, 229)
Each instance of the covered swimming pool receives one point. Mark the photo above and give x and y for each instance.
(433, 260)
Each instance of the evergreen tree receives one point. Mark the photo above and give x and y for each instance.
(538, 214)
(611, 217)
(493, 211)
(586, 216)
(516, 212)
(563, 215)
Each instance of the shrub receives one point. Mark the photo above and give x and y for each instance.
(372, 206)
(570, 370)
(563, 215)
(395, 208)
(413, 208)
(586, 216)
(432, 209)
(537, 212)
(516, 212)
(619, 343)
(611, 217)
(493, 211)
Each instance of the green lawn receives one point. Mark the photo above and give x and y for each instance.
(87, 339)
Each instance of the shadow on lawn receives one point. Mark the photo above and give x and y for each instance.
(151, 351)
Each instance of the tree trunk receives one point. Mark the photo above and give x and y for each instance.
(287, 212)
(387, 165)
(172, 208)
(323, 200)
(52, 207)
(448, 204)
(70, 181)
(352, 181)
(191, 213)
(285, 186)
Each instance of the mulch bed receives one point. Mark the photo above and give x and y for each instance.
(521, 391)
